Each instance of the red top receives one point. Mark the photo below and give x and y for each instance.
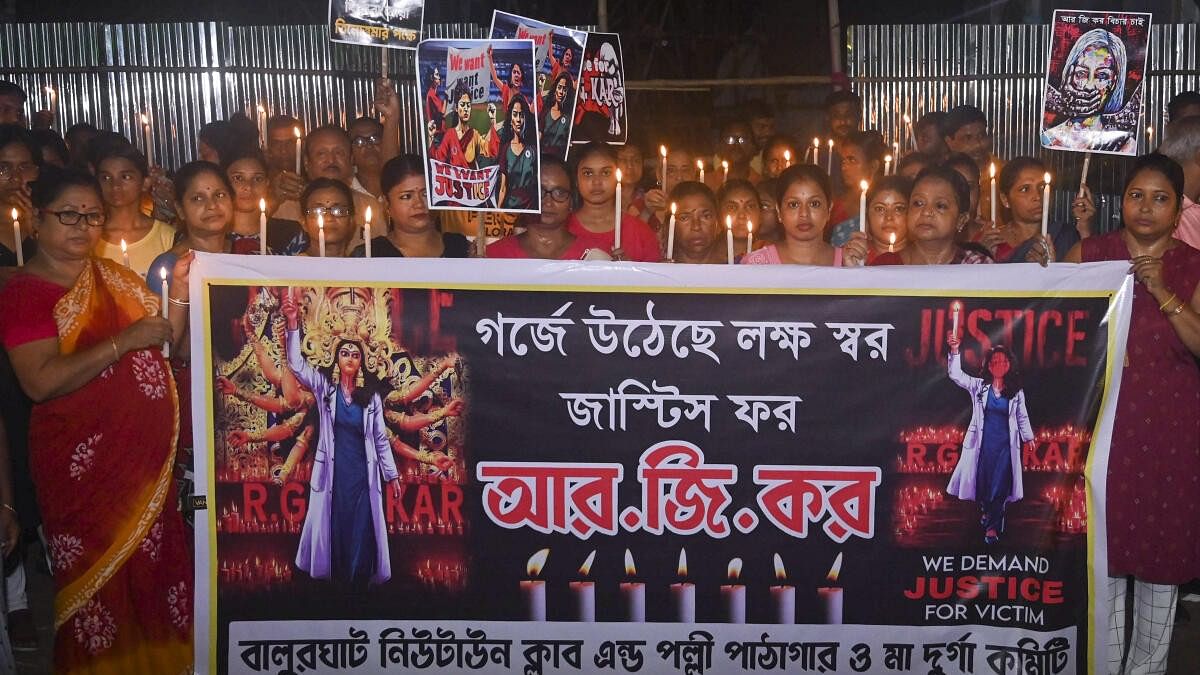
(638, 240)
(510, 247)
(27, 310)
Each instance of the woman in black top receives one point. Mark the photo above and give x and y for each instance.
(412, 230)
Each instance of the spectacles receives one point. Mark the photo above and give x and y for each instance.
(73, 218)
(25, 169)
(556, 194)
(736, 140)
(335, 211)
(361, 141)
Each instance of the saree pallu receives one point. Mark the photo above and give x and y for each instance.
(103, 458)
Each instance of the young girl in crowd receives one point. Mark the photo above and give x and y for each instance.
(122, 173)
(328, 206)
(247, 173)
(412, 231)
(697, 229)
(937, 210)
(804, 202)
(738, 201)
(19, 156)
(595, 221)
(862, 159)
(1018, 237)
(545, 237)
(887, 216)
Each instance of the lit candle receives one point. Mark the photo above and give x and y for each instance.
(683, 594)
(533, 591)
(17, 239)
(146, 139)
(262, 124)
(1087, 161)
(955, 313)
(887, 165)
(367, 229)
(633, 593)
(749, 236)
(262, 227)
(829, 159)
(583, 592)
(912, 138)
(992, 174)
(321, 234)
(896, 152)
(700, 168)
(125, 252)
(787, 158)
(1149, 136)
(662, 151)
(671, 234)
(862, 205)
(724, 171)
(296, 131)
(733, 595)
(53, 96)
(1046, 203)
(617, 215)
(729, 239)
(383, 69)
(816, 151)
(162, 274)
(831, 596)
(891, 242)
(783, 596)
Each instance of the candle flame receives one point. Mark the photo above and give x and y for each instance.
(14, 213)
(262, 205)
(367, 215)
(835, 570)
(888, 159)
(907, 119)
(261, 109)
(780, 571)
(672, 208)
(618, 175)
(729, 222)
(296, 131)
(787, 155)
(681, 568)
(956, 306)
(700, 164)
(992, 170)
(50, 90)
(662, 150)
(735, 569)
(586, 567)
(831, 144)
(725, 165)
(536, 562)
(162, 273)
(816, 142)
(1046, 178)
(320, 221)
(750, 226)
(124, 246)
(630, 568)
(145, 120)
(864, 185)
(892, 239)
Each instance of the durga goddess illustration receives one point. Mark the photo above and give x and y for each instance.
(339, 380)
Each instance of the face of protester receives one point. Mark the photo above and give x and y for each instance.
(973, 183)
(930, 141)
(804, 210)
(763, 128)
(933, 214)
(597, 180)
(556, 196)
(742, 206)
(338, 229)
(349, 360)
(855, 166)
(20, 166)
(1095, 70)
(695, 225)
(887, 214)
(738, 142)
(12, 111)
(207, 152)
(972, 140)
(999, 365)
(408, 206)
(207, 206)
(1151, 206)
(911, 169)
(281, 149)
(329, 157)
(249, 179)
(844, 119)
(775, 161)
(768, 212)
(681, 166)
(630, 162)
(1025, 197)
(121, 182)
(70, 242)
(50, 156)
(366, 147)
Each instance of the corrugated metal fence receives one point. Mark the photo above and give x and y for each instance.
(1000, 69)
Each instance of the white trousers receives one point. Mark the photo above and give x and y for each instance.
(1153, 620)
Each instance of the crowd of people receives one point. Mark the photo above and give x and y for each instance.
(92, 441)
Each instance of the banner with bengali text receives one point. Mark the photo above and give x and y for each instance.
(532, 467)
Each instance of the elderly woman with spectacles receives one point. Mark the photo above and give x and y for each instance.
(412, 231)
(546, 236)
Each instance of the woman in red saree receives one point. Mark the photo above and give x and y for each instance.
(84, 337)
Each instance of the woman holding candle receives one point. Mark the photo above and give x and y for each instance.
(19, 165)
(248, 175)
(594, 223)
(739, 200)
(778, 154)
(887, 216)
(966, 167)
(545, 237)
(123, 177)
(84, 337)
(804, 206)
(328, 207)
(204, 200)
(1019, 239)
(412, 231)
(1151, 532)
(989, 469)
(937, 211)
(518, 157)
(862, 159)
(697, 231)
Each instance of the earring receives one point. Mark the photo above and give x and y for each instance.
(359, 380)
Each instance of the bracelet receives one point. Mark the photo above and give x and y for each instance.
(1178, 309)
(180, 303)
(1171, 309)
(116, 352)
(1163, 307)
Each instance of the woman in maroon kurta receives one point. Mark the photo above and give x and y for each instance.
(1154, 463)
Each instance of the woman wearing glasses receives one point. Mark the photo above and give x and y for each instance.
(327, 205)
(412, 231)
(545, 237)
(84, 335)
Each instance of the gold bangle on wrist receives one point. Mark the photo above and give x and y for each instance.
(1168, 301)
(180, 303)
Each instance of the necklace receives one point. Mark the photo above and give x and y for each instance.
(939, 260)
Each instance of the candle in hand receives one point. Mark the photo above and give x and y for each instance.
(891, 242)
(262, 227)
(17, 239)
(831, 595)
(1087, 161)
(749, 236)
(53, 104)
(662, 150)
(992, 174)
(149, 144)
(734, 594)
(729, 239)
(787, 158)
(162, 275)
(633, 593)
(816, 151)
(296, 132)
(321, 234)
(1046, 203)
(725, 171)
(955, 313)
(862, 205)
(617, 215)
(125, 253)
(783, 596)
(671, 234)
(887, 165)
(533, 591)
(896, 152)
(583, 592)
(367, 230)
(700, 168)
(829, 159)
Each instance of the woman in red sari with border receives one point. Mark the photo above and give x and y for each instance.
(84, 337)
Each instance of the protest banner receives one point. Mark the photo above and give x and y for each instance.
(600, 112)
(377, 23)
(1095, 81)
(598, 467)
(481, 147)
(557, 52)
